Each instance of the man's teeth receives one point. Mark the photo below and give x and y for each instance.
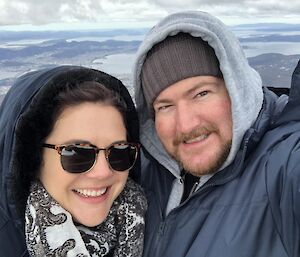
(91, 193)
(196, 139)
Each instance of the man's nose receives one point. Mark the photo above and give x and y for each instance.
(186, 119)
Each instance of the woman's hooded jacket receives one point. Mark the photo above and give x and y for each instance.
(18, 148)
(251, 206)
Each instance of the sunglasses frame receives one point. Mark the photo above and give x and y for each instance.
(106, 150)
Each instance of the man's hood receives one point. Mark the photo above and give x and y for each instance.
(41, 86)
(243, 82)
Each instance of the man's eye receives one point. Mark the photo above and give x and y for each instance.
(162, 108)
(201, 94)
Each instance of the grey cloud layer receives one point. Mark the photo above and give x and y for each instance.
(243, 7)
(42, 12)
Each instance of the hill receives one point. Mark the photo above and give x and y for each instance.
(275, 69)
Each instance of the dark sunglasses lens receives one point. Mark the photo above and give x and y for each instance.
(77, 159)
(122, 157)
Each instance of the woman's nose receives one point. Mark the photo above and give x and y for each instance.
(101, 167)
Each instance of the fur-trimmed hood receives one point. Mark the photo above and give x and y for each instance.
(243, 82)
(18, 147)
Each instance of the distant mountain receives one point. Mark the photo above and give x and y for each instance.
(275, 69)
(21, 52)
(64, 49)
(18, 60)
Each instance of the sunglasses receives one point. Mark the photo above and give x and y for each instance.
(82, 157)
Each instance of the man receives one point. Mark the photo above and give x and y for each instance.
(221, 163)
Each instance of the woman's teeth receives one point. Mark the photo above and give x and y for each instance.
(91, 193)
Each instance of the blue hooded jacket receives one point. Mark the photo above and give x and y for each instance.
(250, 207)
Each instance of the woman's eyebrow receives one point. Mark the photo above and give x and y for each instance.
(76, 141)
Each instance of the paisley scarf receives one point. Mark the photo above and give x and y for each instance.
(50, 230)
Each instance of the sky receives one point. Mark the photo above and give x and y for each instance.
(95, 14)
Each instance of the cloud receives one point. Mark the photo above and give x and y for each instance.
(133, 10)
(38, 12)
(253, 8)
(43, 12)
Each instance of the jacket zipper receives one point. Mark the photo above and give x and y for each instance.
(194, 188)
(207, 186)
(162, 227)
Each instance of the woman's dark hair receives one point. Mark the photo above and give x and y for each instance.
(67, 89)
(89, 91)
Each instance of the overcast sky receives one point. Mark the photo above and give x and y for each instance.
(56, 14)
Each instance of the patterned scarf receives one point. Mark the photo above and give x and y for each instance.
(50, 230)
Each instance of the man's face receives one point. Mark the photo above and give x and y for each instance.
(193, 121)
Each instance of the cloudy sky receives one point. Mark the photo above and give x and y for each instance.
(71, 14)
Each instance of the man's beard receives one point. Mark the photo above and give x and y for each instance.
(213, 166)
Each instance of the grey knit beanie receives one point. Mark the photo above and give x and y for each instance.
(176, 58)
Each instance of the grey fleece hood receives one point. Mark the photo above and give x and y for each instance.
(243, 82)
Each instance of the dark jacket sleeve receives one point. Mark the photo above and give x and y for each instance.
(296, 180)
(290, 201)
(285, 199)
(12, 241)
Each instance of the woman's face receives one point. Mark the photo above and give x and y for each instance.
(87, 196)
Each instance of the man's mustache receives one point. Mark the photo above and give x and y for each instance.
(197, 132)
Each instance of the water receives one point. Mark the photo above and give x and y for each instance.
(257, 48)
(4, 89)
(256, 33)
(22, 43)
(101, 39)
(9, 74)
(116, 64)
(26, 42)
(123, 63)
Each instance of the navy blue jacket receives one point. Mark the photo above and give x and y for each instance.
(249, 209)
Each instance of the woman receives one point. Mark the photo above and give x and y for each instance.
(68, 140)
